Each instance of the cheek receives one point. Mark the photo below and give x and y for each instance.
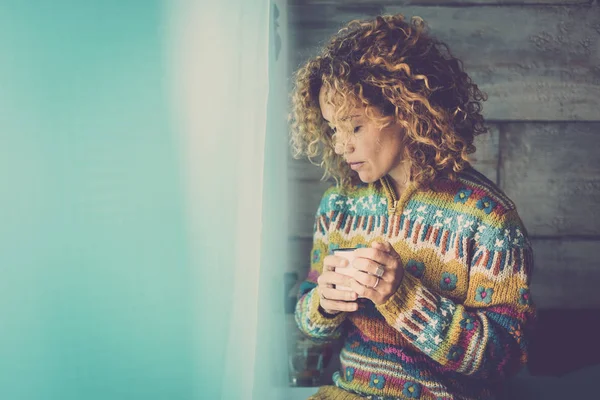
(383, 148)
(374, 142)
(391, 145)
(380, 147)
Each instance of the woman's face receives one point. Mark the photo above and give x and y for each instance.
(371, 152)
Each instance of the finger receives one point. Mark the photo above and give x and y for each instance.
(324, 280)
(367, 280)
(329, 278)
(369, 266)
(367, 292)
(385, 247)
(336, 305)
(391, 251)
(338, 294)
(388, 247)
(380, 256)
(333, 261)
(378, 245)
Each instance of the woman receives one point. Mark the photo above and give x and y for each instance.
(440, 306)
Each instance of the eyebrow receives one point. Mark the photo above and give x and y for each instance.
(343, 119)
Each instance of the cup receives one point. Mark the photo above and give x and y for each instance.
(348, 254)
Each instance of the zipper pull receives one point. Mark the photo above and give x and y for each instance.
(393, 209)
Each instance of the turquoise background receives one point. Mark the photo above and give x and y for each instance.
(95, 288)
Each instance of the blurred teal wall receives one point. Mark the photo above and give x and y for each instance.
(94, 289)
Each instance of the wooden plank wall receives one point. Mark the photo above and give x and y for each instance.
(539, 62)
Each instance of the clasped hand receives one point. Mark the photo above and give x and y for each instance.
(375, 274)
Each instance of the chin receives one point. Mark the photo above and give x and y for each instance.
(370, 178)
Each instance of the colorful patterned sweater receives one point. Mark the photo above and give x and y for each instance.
(460, 322)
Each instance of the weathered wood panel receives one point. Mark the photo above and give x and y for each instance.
(306, 189)
(552, 173)
(486, 157)
(535, 63)
(566, 272)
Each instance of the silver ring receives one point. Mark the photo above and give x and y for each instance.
(376, 283)
(379, 272)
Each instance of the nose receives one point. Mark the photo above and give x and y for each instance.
(343, 146)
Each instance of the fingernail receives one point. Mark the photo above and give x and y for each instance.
(345, 263)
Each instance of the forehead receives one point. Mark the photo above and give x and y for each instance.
(328, 109)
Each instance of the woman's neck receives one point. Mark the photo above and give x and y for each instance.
(399, 178)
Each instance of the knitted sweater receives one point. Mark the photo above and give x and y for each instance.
(460, 321)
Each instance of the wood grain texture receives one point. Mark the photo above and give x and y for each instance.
(486, 157)
(552, 173)
(566, 273)
(535, 63)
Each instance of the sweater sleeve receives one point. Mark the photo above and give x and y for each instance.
(487, 336)
(310, 317)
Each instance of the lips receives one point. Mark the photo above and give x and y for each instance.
(355, 165)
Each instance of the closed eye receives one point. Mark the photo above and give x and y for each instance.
(355, 129)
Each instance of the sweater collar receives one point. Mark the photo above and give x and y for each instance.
(396, 205)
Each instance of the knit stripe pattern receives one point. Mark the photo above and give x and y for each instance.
(460, 322)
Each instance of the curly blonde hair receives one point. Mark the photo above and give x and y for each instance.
(399, 72)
